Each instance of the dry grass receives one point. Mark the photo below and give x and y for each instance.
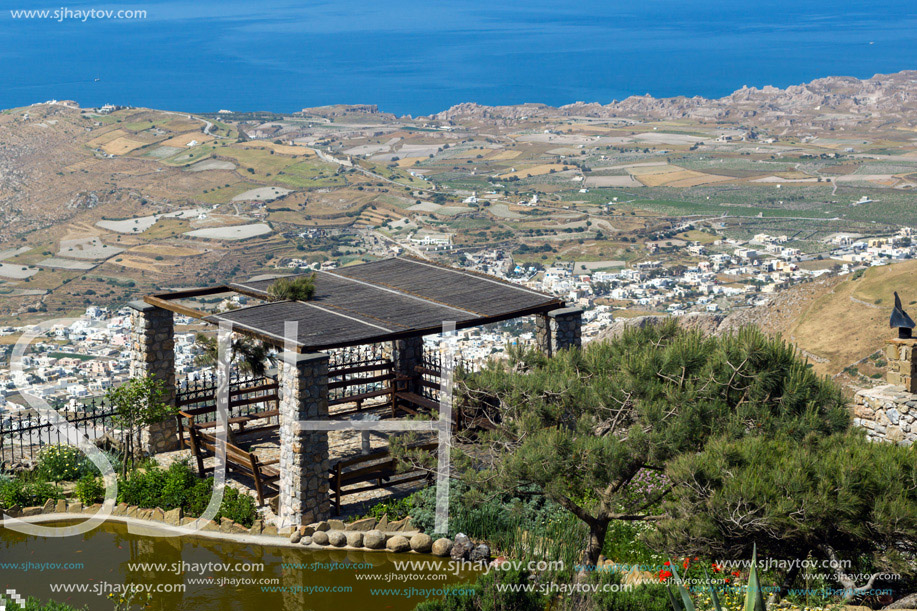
(122, 146)
(850, 322)
(504, 155)
(165, 250)
(183, 140)
(406, 162)
(537, 170)
(283, 149)
(106, 138)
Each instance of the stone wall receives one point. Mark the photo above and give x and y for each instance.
(304, 463)
(559, 330)
(888, 413)
(902, 364)
(153, 353)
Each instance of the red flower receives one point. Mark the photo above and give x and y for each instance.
(727, 580)
(666, 563)
(716, 569)
(685, 564)
(736, 574)
(663, 575)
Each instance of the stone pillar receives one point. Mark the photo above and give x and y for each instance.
(543, 333)
(304, 464)
(902, 363)
(559, 330)
(153, 353)
(406, 355)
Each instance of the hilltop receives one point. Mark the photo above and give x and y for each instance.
(835, 102)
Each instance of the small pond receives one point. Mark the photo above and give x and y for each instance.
(108, 557)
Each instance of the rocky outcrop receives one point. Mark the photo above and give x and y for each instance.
(840, 102)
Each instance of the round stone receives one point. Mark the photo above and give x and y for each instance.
(442, 547)
(422, 543)
(337, 538)
(374, 539)
(398, 543)
(320, 538)
(481, 553)
(296, 536)
(355, 539)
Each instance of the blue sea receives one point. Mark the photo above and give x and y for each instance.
(421, 56)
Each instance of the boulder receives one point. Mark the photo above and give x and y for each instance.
(481, 553)
(335, 525)
(256, 528)
(908, 602)
(306, 531)
(400, 525)
(337, 538)
(461, 547)
(50, 506)
(362, 525)
(321, 526)
(374, 539)
(355, 539)
(422, 543)
(442, 547)
(320, 537)
(398, 544)
(307, 540)
(382, 524)
(296, 537)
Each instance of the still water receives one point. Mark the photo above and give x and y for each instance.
(106, 558)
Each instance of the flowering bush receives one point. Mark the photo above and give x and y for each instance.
(64, 464)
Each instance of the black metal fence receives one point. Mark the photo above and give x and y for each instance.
(24, 434)
(358, 371)
(431, 367)
(248, 395)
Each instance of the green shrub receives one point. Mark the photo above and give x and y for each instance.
(300, 288)
(33, 604)
(26, 493)
(64, 464)
(179, 486)
(484, 595)
(89, 490)
(522, 524)
(238, 507)
(142, 487)
(395, 509)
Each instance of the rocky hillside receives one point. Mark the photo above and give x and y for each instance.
(833, 102)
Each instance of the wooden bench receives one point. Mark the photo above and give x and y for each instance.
(238, 460)
(359, 399)
(373, 470)
(342, 378)
(186, 419)
(407, 399)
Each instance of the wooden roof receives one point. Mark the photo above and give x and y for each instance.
(380, 301)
